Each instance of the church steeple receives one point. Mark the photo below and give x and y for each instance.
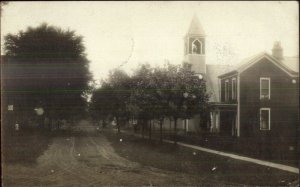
(196, 27)
(195, 47)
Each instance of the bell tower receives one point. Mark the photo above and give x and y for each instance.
(194, 49)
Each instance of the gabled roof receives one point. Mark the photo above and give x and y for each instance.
(196, 27)
(212, 82)
(290, 65)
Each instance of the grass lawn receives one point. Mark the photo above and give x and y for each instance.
(199, 164)
(24, 146)
(241, 146)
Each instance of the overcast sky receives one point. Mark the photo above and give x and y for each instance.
(138, 32)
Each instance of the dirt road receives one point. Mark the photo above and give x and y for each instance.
(88, 160)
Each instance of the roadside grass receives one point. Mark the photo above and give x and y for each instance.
(242, 146)
(24, 146)
(249, 147)
(204, 166)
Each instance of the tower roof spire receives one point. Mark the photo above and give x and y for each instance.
(195, 27)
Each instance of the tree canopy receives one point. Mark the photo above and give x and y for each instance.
(47, 67)
(173, 92)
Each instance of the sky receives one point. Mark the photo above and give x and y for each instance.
(126, 34)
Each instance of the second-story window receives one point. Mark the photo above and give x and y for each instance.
(226, 90)
(265, 86)
(233, 90)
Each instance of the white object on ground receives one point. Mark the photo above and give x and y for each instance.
(121, 140)
(214, 168)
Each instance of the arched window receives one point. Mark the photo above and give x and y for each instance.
(197, 47)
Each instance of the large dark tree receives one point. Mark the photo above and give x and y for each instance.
(47, 67)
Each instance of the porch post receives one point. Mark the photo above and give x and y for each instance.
(213, 121)
(218, 121)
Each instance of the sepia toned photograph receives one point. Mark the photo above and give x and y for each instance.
(150, 93)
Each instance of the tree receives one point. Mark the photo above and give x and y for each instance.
(143, 91)
(186, 94)
(173, 91)
(100, 103)
(118, 86)
(112, 99)
(161, 96)
(50, 69)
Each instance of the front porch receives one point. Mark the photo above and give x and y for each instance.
(224, 119)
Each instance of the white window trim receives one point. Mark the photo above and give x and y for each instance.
(201, 47)
(238, 102)
(269, 125)
(226, 90)
(233, 92)
(264, 78)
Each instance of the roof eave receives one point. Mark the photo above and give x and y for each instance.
(230, 73)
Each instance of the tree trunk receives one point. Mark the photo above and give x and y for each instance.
(175, 131)
(118, 125)
(134, 128)
(161, 132)
(57, 124)
(103, 123)
(143, 129)
(150, 125)
(185, 130)
(42, 124)
(170, 129)
(50, 124)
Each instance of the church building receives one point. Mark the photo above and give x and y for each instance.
(195, 55)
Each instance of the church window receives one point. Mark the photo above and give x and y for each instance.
(197, 47)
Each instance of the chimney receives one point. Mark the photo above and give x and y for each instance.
(277, 51)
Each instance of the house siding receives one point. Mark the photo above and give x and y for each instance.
(283, 104)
